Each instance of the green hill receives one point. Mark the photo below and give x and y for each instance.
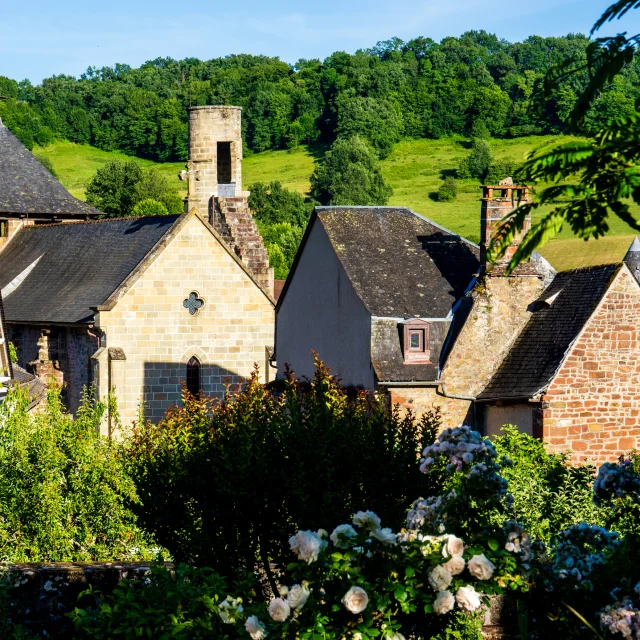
(413, 169)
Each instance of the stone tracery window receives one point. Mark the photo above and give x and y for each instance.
(193, 376)
(193, 303)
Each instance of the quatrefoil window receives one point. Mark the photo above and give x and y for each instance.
(194, 303)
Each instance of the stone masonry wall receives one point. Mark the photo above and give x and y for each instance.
(208, 126)
(149, 323)
(498, 314)
(420, 400)
(592, 406)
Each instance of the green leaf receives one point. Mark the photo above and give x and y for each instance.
(494, 545)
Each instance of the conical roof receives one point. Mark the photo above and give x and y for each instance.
(26, 187)
(635, 246)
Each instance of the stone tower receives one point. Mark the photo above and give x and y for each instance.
(497, 202)
(632, 259)
(214, 176)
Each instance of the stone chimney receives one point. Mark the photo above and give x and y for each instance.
(632, 259)
(214, 177)
(497, 202)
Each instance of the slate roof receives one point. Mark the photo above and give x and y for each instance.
(36, 389)
(27, 188)
(555, 323)
(399, 263)
(68, 268)
(387, 358)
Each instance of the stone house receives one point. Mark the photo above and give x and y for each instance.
(372, 291)
(557, 354)
(139, 305)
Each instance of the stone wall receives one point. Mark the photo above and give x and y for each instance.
(43, 593)
(498, 314)
(207, 127)
(62, 351)
(157, 335)
(420, 400)
(592, 407)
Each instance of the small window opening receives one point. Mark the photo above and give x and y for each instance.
(4, 228)
(193, 376)
(224, 162)
(416, 342)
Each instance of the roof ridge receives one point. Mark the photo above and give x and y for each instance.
(592, 267)
(98, 221)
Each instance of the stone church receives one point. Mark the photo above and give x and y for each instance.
(138, 306)
(397, 304)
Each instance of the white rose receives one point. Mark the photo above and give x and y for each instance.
(357, 636)
(385, 536)
(229, 610)
(481, 567)
(468, 598)
(341, 534)
(454, 565)
(307, 545)
(355, 600)
(298, 596)
(397, 636)
(279, 609)
(366, 520)
(444, 602)
(452, 547)
(439, 578)
(255, 628)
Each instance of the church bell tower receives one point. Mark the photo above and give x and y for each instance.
(214, 178)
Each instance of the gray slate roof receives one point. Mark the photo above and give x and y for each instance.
(69, 268)
(542, 345)
(399, 263)
(27, 188)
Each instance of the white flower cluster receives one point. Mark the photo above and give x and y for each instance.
(230, 610)
(255, 628)
(466, 451)
(616, 480)
(307, 545)
(621, 618)
(344, 535)
(518, 540)
(581, 551)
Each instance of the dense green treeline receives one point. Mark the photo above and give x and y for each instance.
(419, 88)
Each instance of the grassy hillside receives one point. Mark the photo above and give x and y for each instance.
(414, 169)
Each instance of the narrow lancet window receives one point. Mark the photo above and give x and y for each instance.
(193, 376)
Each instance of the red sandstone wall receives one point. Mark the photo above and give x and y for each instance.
(593, 405)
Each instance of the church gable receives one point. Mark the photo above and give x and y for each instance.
(194, 315)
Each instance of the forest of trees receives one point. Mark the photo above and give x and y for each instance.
(396, 89)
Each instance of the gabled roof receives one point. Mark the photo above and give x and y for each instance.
(57, 273)
(399, 263)
(557, 317)
(27, 188)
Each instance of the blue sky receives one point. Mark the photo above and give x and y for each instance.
(46, 37)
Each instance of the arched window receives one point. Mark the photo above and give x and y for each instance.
(193, 376)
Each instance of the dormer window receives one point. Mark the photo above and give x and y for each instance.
(416, 342)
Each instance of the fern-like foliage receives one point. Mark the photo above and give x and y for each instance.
(592, 180)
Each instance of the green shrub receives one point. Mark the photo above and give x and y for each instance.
(149, 207)
(180, 604)
(549, 493)
(448, 190)
(349, 174)
(224, 484)
(501, 169)
(476, 164)
(64, 492)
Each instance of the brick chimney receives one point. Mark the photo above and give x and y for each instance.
(214, 177)
(498, 201)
